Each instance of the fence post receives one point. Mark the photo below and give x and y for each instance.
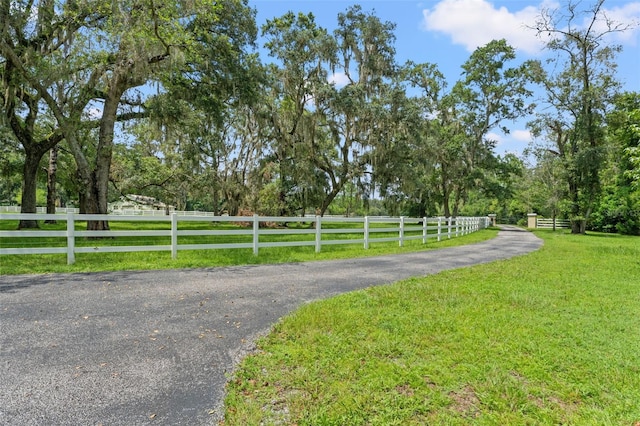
(318, 233)
(401, 236)
(256, 231)
(174, 235)
(449, 225)
(424, 230)
(366, 232)
(71, 239)
(439, 228)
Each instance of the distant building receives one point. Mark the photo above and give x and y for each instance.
(132, 203)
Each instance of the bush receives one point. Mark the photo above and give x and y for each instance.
(617, 213)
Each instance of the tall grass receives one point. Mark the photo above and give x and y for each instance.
(544, 339)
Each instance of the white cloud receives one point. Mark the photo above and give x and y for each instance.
(340, 79)
(627, 16)
(512, 143)
(521, 135)
(514, 136)
(497, 138)
(474, 23)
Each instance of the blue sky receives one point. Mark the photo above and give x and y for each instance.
(446, 32)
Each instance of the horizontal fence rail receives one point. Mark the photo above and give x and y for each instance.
(226, 232)
(550, 223)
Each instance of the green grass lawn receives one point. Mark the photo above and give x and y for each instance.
(549, 338)
(93, 262)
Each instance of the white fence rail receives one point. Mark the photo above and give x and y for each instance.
(254, 236)
(549, 223)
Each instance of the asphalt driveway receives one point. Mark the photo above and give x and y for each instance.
(157, 347)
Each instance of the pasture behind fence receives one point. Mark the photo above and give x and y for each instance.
(172, 233)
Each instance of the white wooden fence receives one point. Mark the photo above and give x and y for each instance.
(404, 228)
(549, 223)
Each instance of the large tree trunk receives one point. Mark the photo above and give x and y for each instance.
(97, 192)
(458, 200)
(22, 123)
(88, 196)
(445, 195)
(93, 206)
(88, 192)
(578, 223)
(51, 183)
(578, 226)
(337, 187)
(422, 206)
(29, 185)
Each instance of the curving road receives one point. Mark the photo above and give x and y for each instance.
(156, 347)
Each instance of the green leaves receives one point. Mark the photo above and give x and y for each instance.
(579, 94)
(323, 129)
(451, 143)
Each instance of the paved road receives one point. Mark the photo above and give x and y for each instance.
(156, 347)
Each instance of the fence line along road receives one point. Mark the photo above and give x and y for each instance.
(322, 231)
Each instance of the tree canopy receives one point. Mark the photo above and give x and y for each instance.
(171, 100)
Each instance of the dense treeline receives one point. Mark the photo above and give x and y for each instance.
(102, 100)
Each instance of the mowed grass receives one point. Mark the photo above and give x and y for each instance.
(549, 338)
(101, 261)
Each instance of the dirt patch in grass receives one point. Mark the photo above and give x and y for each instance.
(466, 402)
(405, 390)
